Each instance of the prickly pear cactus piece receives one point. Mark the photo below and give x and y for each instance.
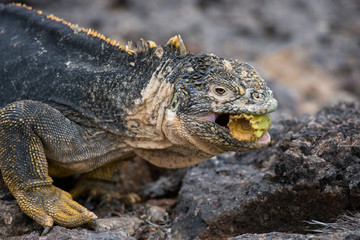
(246, 127)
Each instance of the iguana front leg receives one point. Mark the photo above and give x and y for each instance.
(26, 128)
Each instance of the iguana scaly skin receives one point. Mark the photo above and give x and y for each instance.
(73, 101)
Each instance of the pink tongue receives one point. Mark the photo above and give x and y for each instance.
(211, 117)
(264, 138)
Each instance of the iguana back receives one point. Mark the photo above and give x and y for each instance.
(66, 67)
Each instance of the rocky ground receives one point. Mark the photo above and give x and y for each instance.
(305, 185)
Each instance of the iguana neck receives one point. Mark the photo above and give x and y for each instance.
(144, 121)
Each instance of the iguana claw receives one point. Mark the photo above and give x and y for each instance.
(45, 231)
(95, 225)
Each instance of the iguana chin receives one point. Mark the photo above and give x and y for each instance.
(74, 101)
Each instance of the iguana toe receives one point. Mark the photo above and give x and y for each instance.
(49, 204)
(130, 199)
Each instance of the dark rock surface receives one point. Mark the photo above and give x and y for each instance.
(13, 222)
(351, 235)
(311, 171)
(61, 233)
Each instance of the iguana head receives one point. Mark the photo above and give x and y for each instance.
(220, 105)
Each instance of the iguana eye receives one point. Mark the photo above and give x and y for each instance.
(257, 96)
(220, 91)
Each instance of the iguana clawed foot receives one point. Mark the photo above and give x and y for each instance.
(130, 199)
(49, 204)
(94, 189)
(103, 190)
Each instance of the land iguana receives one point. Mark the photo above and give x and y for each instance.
(73, 101)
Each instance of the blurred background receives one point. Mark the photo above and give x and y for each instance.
(308, 51)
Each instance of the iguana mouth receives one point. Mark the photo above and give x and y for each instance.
(222, 120)
(243, 127)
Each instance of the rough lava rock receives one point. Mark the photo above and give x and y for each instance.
(351, 235)
(325, 153)
(311, 171)
(61, 233)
